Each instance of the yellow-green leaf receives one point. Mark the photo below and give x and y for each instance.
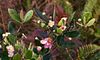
(61, 22)
(14, 15)
(28, 16)
(90, 23)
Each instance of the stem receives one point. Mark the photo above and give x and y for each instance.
(19, 28)
(69, 54)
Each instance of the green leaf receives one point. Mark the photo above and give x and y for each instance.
(95, 56)
(87, 15)
(11, 27)
(91, 22)
(65, 44)
(14, 15)
(4, 56)
(17, 57)
(28, 16)
(1, 31)
(47, 56)
(67, 6)
(28, 54)
(59, 30)
(97, 33)
(72, 34)
(87, 50)
(35, 56)
(72, 16)
(12, 38)
(18, 46)
(40, 15)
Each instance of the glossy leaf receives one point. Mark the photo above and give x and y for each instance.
(14, 15)
(72, 34)
(40, 15)
(28, 16)
(65, 44)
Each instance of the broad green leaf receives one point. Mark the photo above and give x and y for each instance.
(28, 54)
(4, 55)
(14, 15)
(17, 57)
(91, 22)
(87, 15)
(65, 44)
(72, 34)
(12, 38)
(28, 16)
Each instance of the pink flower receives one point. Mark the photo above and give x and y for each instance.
(47, 42)
(10, 50)
(39, 48)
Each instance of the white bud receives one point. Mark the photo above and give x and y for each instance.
(70, 38)
(43, 13)
(36, 38)
(79, 19)
(38, 21)
(0, 46)
(6, 34)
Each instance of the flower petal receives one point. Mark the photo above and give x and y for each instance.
(43, 41)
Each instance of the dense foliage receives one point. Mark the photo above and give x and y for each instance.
(49, 30)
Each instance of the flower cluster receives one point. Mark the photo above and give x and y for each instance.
(10, 50)
(47, 42)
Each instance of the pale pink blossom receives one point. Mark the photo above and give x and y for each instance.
(47, 42)
(10, 50)
(51, 23)
(39, 48)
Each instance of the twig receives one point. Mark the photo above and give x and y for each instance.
(69, 54)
